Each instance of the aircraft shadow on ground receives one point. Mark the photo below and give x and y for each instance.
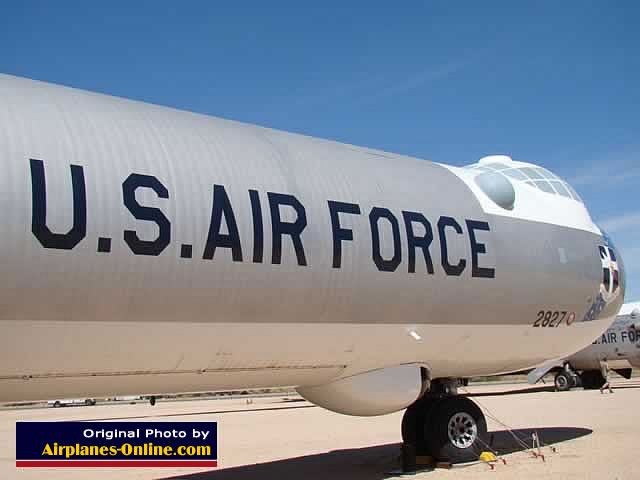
(503, 441)
(372, 462)
(190, 414)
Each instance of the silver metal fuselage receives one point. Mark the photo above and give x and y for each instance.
(619, 345)
(99, 318)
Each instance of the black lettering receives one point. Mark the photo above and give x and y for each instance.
(280, 228)
(478, 248)
(613, 337)
(104, 245)
(48, 239)
(339, 233)
(215, 239)
(186, 250)
(450, 269)
(144, 247)
(414, 242)
(258, 229)
(384, 265)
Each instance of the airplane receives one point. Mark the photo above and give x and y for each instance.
(619, 346)
(148, 250)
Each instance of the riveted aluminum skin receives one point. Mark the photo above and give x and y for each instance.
(173, 323)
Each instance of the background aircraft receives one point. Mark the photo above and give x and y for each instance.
(619, 346)
(149, 250)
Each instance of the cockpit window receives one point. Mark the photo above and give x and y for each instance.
(560, 188)
(496, 166)
(532, 173)
(547, 174)
(544, 186)
(573, 193)
(537, 177)
(515, 173)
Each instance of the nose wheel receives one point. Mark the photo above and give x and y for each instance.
(449, 428)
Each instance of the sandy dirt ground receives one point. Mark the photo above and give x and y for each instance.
(595, 436)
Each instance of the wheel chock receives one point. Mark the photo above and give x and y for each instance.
(488, 457)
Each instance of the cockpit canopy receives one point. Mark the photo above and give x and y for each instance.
(526, 173)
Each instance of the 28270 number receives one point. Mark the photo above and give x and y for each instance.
(551, 318)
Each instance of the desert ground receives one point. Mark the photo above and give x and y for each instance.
(584, 434)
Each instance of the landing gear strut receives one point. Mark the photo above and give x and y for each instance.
(563, 381)
(444, 425)
(567, 378)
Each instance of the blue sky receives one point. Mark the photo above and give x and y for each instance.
(547, 82)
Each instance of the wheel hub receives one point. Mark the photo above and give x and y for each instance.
(462, 430)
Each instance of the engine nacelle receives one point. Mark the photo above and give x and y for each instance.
(372, 393)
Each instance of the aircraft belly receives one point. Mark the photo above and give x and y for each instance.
(109, 357)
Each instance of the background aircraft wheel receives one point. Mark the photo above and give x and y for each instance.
(576, 380)
(563, 381)
(456, 430)
(152, 400)
(413, 423)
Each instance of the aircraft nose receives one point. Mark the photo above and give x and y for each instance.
(617, 270)
(623, 275)
(613, 272)
(610, 298)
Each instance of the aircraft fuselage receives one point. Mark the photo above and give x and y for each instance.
(150, 250)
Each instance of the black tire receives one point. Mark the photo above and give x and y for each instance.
(456, 419)
(89, 402)
(563, 381)
(152, 400)
(577, 381)
(413, 422)
(57, 404)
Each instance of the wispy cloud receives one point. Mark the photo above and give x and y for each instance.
(621, 222)
(416, 80)
(609, 170)
(380, 86)
(604, 176)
